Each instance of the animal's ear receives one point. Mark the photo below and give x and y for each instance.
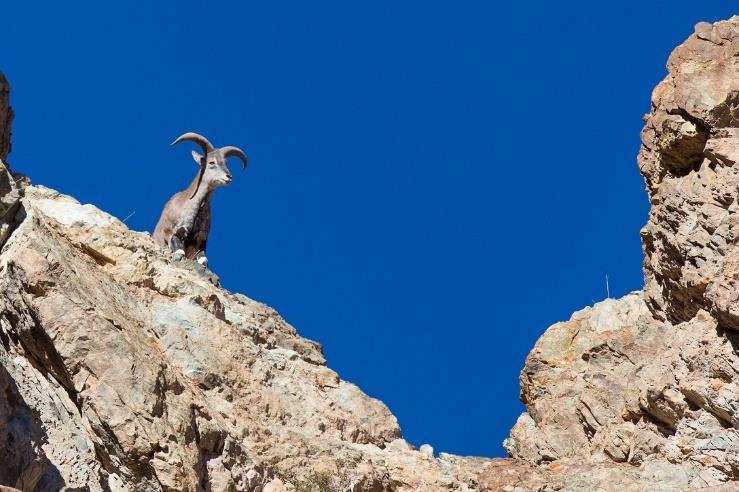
(198, 158)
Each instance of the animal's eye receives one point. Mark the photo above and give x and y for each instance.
(212, 164)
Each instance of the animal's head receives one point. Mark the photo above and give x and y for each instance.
(214, 171)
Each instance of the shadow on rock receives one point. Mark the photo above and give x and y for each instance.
(23, 464)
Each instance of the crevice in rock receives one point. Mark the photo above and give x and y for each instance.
(18, 214)
(686, 154)
(41, 351)
(721, 415)
(201, 467)
(109, 445)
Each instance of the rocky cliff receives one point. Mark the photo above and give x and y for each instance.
(121, 369)
(651, 380)
(10, 191)
(6, 117)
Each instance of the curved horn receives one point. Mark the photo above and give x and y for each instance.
(204, 144)
(231, 151)
(197, 138)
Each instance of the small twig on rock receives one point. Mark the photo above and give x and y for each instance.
(128, 217)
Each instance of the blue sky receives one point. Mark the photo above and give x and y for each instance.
(431, 184)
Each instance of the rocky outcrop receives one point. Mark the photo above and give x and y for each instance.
(123, 369)
(650, 381)
(690, 148)
(10, 196)
(613, 385)
(10, 191)
(6, 117)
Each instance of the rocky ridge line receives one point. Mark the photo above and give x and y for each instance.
(651, 380)
(121, 369)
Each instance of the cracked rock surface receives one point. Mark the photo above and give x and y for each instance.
(6, 117)
(10, 190)
(690, 148)
(124, 370)
(642, 393)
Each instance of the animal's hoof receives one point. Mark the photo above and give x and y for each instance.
(178, 255)
(203, 261)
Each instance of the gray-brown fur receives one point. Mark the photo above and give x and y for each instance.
(184, 224)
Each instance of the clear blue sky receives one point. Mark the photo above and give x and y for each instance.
(431, 184)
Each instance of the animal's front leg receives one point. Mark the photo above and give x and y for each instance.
(176, 243)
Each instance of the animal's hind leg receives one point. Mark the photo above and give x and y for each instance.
(176, 244)
(200, 257)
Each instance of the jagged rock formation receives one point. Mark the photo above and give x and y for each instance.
(688, 159)
(615, 385)
(6, 117)
(121, 369)
(650, 380)
(10, 192)
(134, 372)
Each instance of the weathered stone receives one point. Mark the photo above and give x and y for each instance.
(188, 387)
(427, 450)
(642, 393)
(614, 384)
(123, 370)
(6, 117)
(571, 475)
(10, 196)
(690, 145)
(10, 190)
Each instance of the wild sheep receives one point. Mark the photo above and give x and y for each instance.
(185, 221)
